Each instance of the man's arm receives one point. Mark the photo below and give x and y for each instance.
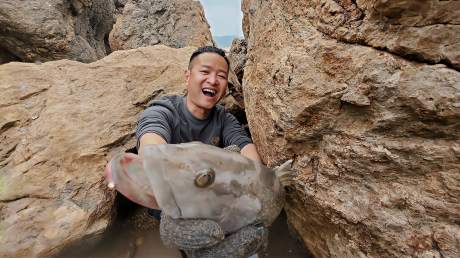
(234, 134)
(150, 138)
(250, 151)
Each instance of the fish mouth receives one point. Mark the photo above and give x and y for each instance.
(125, 173)
(108, 174)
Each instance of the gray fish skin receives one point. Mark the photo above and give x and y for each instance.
(243, 192)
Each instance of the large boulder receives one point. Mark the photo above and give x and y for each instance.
(60, 122)
(56, 29)
(175, 23)
(426, 31)
(374, 132)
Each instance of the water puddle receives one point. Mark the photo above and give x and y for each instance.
(138, 237)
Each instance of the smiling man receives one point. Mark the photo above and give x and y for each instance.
(198, 117)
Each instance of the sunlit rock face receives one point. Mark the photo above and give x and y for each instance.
(56, 29)
(175, 23)
(365, 96)
(60, 122)
(426, 31)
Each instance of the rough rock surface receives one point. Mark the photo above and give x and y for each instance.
(427, 30)
(60, 122)
(175, 23)
(374, 134)
(56, 29)
(234, 101)
(237, 57)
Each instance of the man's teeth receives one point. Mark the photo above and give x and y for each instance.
(209, 92)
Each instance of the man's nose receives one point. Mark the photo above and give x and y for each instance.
(212, 79)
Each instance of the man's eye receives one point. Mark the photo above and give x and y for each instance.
(222, 76)
(204, 71)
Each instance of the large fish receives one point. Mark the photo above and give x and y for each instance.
(195, 180)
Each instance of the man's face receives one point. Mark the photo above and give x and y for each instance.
(206, 80)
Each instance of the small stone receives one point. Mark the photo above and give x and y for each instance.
(356, 99)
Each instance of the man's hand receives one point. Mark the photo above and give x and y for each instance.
(204, 238)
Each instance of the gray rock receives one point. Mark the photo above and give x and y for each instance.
(56, 29)
(150, 22)
(237, 57)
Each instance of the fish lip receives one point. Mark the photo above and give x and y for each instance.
(108, 172)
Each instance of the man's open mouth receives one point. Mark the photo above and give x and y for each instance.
(209, 92)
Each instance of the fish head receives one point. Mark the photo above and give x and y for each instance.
(194, 180)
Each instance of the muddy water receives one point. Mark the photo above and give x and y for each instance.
(126, 240)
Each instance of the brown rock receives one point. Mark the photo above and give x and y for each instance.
(56, 29)
(427, 30)
(375, 136)
(237, 57)
(234, 101)
(172, 23)
(60, 122)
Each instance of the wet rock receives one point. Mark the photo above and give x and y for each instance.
(56, 29)
(375, 134)
(172, 23)
(60, 122)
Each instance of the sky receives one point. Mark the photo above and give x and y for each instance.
(224, 17)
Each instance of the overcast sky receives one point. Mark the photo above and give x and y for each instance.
(224, 16)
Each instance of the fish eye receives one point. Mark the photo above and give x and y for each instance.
(205, 178)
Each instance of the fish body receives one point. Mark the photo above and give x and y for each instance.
(195, 180)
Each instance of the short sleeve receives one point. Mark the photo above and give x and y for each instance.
(155, 119)
(233, 133)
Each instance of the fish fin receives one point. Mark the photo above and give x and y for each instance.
(285, 173)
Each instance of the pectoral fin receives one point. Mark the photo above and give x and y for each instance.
(285, 173)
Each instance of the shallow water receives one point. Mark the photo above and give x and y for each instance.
(123, 241)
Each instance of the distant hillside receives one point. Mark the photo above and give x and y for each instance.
(224, 41)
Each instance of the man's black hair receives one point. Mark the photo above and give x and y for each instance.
(208, 49)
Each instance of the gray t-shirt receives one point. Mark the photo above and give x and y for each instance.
(170, 118)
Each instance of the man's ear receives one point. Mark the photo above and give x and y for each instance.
(187, 75)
